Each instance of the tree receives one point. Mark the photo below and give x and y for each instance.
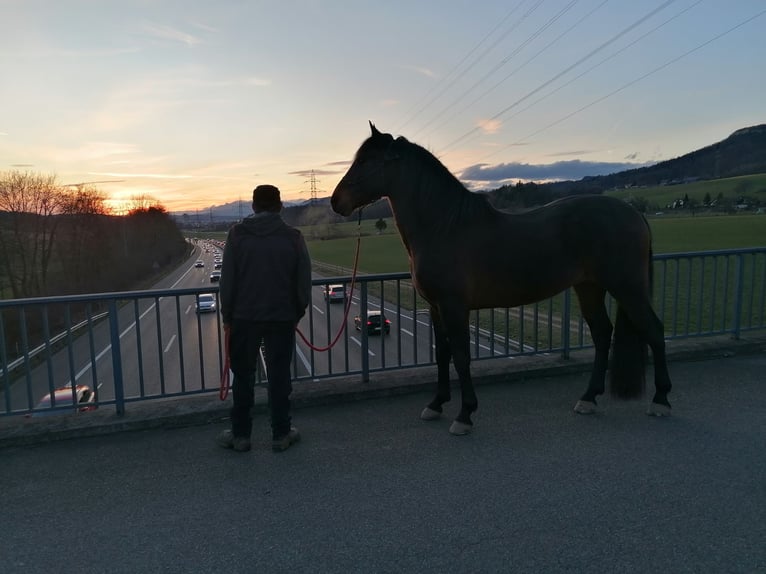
(82, 235)
(143, 202)
(380, 225)
(30, 201)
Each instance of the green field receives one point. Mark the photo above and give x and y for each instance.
(386, 254)
(688, 295)
(731, 188)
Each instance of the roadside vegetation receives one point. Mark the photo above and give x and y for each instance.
(62, 240)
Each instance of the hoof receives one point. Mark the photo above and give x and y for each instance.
(429, 414)
(459, 429)
(658, 410)
(585, 407)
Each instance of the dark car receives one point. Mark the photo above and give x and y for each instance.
(215, 276)
(50, 404)
(376, 323)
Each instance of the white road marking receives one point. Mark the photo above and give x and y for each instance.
(108, 348)
(170, 343)
(303, 358)
(358, 342)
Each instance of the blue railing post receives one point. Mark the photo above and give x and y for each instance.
(565, 323)
(114, 335)
(365, 339)
(739, 282)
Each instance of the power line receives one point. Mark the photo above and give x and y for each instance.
(568, 69)
(610, 57)
(646, 75)
(527, 62)
(505, 60)
(410, 115)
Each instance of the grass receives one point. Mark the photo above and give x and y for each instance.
(697, 295)
(386, 254)
(730, 188)
(691, 296)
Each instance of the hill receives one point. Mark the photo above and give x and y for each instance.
(742, 153)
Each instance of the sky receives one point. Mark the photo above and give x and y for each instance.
(195, 102)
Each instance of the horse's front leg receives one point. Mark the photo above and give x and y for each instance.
(455, 321)
(443, 354)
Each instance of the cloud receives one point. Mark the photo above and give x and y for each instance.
(163, 32)
(308, 172)
(557, 171)
(422, 71)
(489, 126)
(141, 175)
(343, 163)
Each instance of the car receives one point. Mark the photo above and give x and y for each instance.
(376, 323)
(62, 397)
(199, 263)
(217, 265)
(334, 293)
(206, 303)
(215, 276)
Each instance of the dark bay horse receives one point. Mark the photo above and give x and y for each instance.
(464, 254)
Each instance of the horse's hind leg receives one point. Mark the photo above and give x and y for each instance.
(591, 297)
(443, 354)
(645, 320)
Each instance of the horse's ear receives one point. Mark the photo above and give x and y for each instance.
(374, 130)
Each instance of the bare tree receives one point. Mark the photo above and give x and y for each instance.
(143, 202)
(30, 202)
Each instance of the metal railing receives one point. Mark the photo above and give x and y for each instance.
(150, 345)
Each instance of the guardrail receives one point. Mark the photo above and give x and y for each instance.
(150, 345)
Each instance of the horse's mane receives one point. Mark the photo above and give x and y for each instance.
(440, 190)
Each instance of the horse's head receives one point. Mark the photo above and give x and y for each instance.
(364, 181)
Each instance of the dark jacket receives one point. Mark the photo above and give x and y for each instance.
(266, 273)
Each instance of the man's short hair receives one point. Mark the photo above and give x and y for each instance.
(266, 198)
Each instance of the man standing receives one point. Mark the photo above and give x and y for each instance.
(265, 288)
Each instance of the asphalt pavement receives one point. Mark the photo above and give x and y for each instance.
(371, 488)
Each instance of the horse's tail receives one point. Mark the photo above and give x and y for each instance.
(629, 349)
(629, 352)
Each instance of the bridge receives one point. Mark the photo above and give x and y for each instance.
(371, 488)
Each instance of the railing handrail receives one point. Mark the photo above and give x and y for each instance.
(733, 302)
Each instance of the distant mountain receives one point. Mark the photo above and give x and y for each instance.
(227, 212)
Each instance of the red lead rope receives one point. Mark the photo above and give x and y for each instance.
(224, 390)
(346, 310)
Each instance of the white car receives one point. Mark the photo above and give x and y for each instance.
(334, 293)
(206, 303)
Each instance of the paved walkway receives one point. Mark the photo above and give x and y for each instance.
(371, 488)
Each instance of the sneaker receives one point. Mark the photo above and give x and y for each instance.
(227, 440)
(284, 442)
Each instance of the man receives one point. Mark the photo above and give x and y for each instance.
(265, 289)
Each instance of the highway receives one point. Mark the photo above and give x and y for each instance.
(166, 348)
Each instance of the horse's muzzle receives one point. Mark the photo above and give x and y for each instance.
(338, 205)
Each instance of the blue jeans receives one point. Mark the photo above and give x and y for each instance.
(278, 339)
